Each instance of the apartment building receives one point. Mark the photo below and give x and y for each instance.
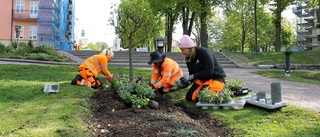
(308, 25)
(48, 22)
(18, 14)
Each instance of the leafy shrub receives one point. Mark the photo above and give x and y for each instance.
(235, 84)
(3, 48)
(137, 93)
(30, 44)
(48, 49)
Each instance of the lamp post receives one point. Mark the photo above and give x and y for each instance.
(160, 44)
(17, 29)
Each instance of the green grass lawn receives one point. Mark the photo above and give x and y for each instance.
(26, 111)
(305, 76)
(299, 57)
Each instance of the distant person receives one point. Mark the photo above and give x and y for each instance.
(76, 47)
(204, 69)
(165, 72)
(91, 68)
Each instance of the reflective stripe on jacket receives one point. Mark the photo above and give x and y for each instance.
(96, 64)
(170, 72)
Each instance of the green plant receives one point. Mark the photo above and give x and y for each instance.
(235, 84)
(208, 96)
(175, 86)
(137, 93)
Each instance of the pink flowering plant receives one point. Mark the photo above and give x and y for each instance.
(137, 93)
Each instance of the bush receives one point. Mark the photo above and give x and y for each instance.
(3, 48)
(48, 49)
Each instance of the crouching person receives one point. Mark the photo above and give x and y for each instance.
(165, 72)
(91, 68)
(204, 69)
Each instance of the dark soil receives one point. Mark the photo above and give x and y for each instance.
(116, 119)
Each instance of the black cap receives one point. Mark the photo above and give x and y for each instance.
(155, 57)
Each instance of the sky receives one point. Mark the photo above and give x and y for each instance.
(93, 17)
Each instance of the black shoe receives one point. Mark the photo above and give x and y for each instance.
(77, 78)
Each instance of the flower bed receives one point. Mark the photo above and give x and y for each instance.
(136, 93)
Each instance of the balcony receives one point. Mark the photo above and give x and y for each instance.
(25, 15)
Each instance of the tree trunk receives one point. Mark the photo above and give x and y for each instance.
(170, 21)
(203, 28)
(130, 62)
(186, 22)
(243, 37)
(278, 31)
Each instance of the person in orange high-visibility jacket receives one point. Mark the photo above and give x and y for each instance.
(166, 70)
(91, 68)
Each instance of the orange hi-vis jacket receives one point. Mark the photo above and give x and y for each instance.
(170, 72)
(96, 64)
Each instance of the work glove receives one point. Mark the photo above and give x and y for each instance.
(152, 86)
(110, 78)
(181, 85)
(186, 80)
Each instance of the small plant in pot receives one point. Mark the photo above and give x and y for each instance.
(208, 96)
(235, 85)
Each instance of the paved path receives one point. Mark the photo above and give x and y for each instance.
(295, 93)
(301, 94)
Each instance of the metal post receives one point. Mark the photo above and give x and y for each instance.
(287, 70)
(276, 93)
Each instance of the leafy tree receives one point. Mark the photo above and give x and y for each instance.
(93, 46)
(314, 3)
(241, 12)
(102, 45)
(277, 6)
(234, 31)
(136, 25)
(287, 35)
(171, 10)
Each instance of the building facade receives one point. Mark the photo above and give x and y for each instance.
(48, 22)
(308, 26)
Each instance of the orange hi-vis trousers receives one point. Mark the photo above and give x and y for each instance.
(88, 79)
(215, 85)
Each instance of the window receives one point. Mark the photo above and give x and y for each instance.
(32, 32)
(20, 6)
(21, 32)
(33, 9)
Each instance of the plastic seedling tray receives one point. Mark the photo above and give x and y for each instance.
(235, 104)
(265, 103)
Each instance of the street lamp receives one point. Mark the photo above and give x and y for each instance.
(160, 44)
(17, 28)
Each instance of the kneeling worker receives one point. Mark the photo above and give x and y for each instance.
(166, 70)
(204, 69)
(91, 68)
